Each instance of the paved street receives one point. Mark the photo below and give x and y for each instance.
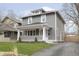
(61, 49)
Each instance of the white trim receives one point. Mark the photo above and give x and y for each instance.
(18, 34)
(15, 25)
(60, 35)
(43, 17)
(55, 26)
(44, 33)
(45, 37)
(29, 20)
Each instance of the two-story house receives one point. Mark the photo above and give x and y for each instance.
(42, 25)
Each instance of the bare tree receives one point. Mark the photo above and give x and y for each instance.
(70, 12)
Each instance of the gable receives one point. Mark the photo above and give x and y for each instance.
(7, 20)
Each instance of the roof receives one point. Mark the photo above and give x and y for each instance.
(12, 18)
(38, 14)
(33, 26)
(42, 9)
(5, 27)
(49, 12)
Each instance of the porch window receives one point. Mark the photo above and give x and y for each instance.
(33, 32)
(7, 34)
(25, 32)
(30, 33)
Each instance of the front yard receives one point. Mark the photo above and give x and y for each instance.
(24, 48)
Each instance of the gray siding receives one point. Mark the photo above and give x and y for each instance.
(31, 38)
(60, 28)
(51, 22)
(36, 19)
(25, 21)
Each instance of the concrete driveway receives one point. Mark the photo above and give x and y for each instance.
(61, 49)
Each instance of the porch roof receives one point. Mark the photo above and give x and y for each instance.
(5, 27)
(33, 26)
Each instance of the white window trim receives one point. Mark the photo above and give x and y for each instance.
(29, 19)
(42, 17)
(15, 25)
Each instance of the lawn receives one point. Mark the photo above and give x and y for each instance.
(24, 48)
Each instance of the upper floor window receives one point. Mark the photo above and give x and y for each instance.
(29, 20)
(43, 18)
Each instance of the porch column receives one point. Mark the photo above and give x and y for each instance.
(44, 34)
(18, 35)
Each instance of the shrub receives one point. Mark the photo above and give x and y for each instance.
(36, 39)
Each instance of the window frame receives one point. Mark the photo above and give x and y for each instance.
(29, 20)
(43, 18)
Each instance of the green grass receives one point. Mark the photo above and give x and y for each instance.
(6, 46)
(24, 48)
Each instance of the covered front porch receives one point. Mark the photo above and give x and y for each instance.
(33, 32)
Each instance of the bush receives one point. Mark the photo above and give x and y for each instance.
(36, 39)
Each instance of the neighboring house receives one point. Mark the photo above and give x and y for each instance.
(42, 25)
(8, 28)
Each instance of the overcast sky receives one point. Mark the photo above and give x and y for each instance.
(20, 8)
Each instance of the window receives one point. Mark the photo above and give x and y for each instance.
(25, 32)
(43, 18)
(7, 34)
(49, 31)
(33, 32)
(30, 33)
(29, 20)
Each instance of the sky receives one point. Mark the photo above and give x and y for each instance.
(23, 8)
(20, 8)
